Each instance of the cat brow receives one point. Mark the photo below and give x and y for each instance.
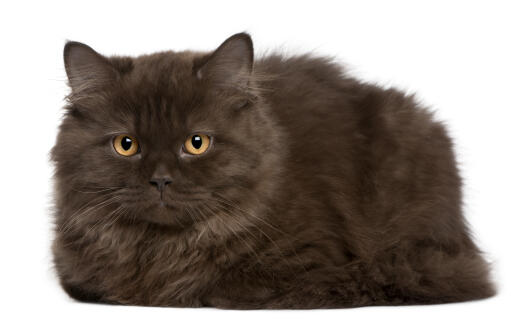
(116, 132)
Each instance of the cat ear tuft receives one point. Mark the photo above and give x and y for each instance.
(85, 67)
(230, 64)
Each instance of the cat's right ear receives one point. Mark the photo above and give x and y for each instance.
(85, 67)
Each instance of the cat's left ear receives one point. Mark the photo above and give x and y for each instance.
(231, 64)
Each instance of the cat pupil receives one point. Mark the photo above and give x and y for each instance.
(126, 143)
(196, 142)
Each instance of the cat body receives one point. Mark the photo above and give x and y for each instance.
(315, 190)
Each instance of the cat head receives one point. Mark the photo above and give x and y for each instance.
(170, 138)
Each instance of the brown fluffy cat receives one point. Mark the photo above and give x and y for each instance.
(210, 179)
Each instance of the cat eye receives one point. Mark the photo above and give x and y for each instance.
(126, 145)
(197, 144)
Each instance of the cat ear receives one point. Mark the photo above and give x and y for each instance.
(85, 67)
(230, 64)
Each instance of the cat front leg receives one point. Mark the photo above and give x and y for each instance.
(329, 287)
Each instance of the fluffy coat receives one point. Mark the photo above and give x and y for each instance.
(318, 191)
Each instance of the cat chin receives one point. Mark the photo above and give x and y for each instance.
(165, 222)
(164, 214)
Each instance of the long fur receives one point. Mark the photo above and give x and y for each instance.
(319, 191)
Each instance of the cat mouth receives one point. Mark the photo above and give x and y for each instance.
(164, 204)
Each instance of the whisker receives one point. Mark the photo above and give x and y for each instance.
(205, 219)
(236, 234)
(100, 220)
(99, 191)
(66, 227)
(231, 204)
(227, 202)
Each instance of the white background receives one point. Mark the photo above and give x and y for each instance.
(454, 55)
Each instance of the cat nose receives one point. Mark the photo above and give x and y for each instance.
(160, 182)
(161, 177)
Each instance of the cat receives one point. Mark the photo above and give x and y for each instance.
(194, 179)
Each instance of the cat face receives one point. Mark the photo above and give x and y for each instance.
(169, 138)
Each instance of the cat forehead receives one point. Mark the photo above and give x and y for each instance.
(167, 77)
(163, 90)
(162, 67)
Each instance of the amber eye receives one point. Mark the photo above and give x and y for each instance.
(125, 145)
(197, 143)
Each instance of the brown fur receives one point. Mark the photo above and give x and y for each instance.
(319, 191)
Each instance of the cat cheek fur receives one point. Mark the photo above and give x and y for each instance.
(319, 191)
